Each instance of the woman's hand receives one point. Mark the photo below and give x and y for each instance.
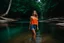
(37, 28)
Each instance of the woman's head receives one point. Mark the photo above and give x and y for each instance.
(34, 13)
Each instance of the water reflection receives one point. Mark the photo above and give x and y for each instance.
(48, 33)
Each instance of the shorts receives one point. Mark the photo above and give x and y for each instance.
(33, 27)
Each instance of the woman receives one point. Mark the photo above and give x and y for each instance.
(33, 24)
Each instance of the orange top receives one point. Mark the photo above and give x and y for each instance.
(34, 20)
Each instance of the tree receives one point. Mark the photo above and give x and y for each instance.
(21, 7)
(7, 11)
(24, 6)
(47, 6)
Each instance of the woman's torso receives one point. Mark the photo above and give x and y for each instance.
(34, 20)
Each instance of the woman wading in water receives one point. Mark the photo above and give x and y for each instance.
(33, 24)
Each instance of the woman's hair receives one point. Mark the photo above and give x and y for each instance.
(35, 13)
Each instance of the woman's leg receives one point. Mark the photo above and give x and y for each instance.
(34, 34)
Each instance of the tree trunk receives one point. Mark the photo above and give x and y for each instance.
(8, 8)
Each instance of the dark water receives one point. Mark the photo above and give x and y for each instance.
(19, 33)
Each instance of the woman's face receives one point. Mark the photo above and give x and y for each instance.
(34, 13)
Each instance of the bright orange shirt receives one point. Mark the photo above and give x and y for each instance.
(34, 20)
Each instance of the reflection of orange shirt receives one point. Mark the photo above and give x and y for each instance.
(34, 20)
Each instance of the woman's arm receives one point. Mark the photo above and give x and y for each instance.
(29, 23)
